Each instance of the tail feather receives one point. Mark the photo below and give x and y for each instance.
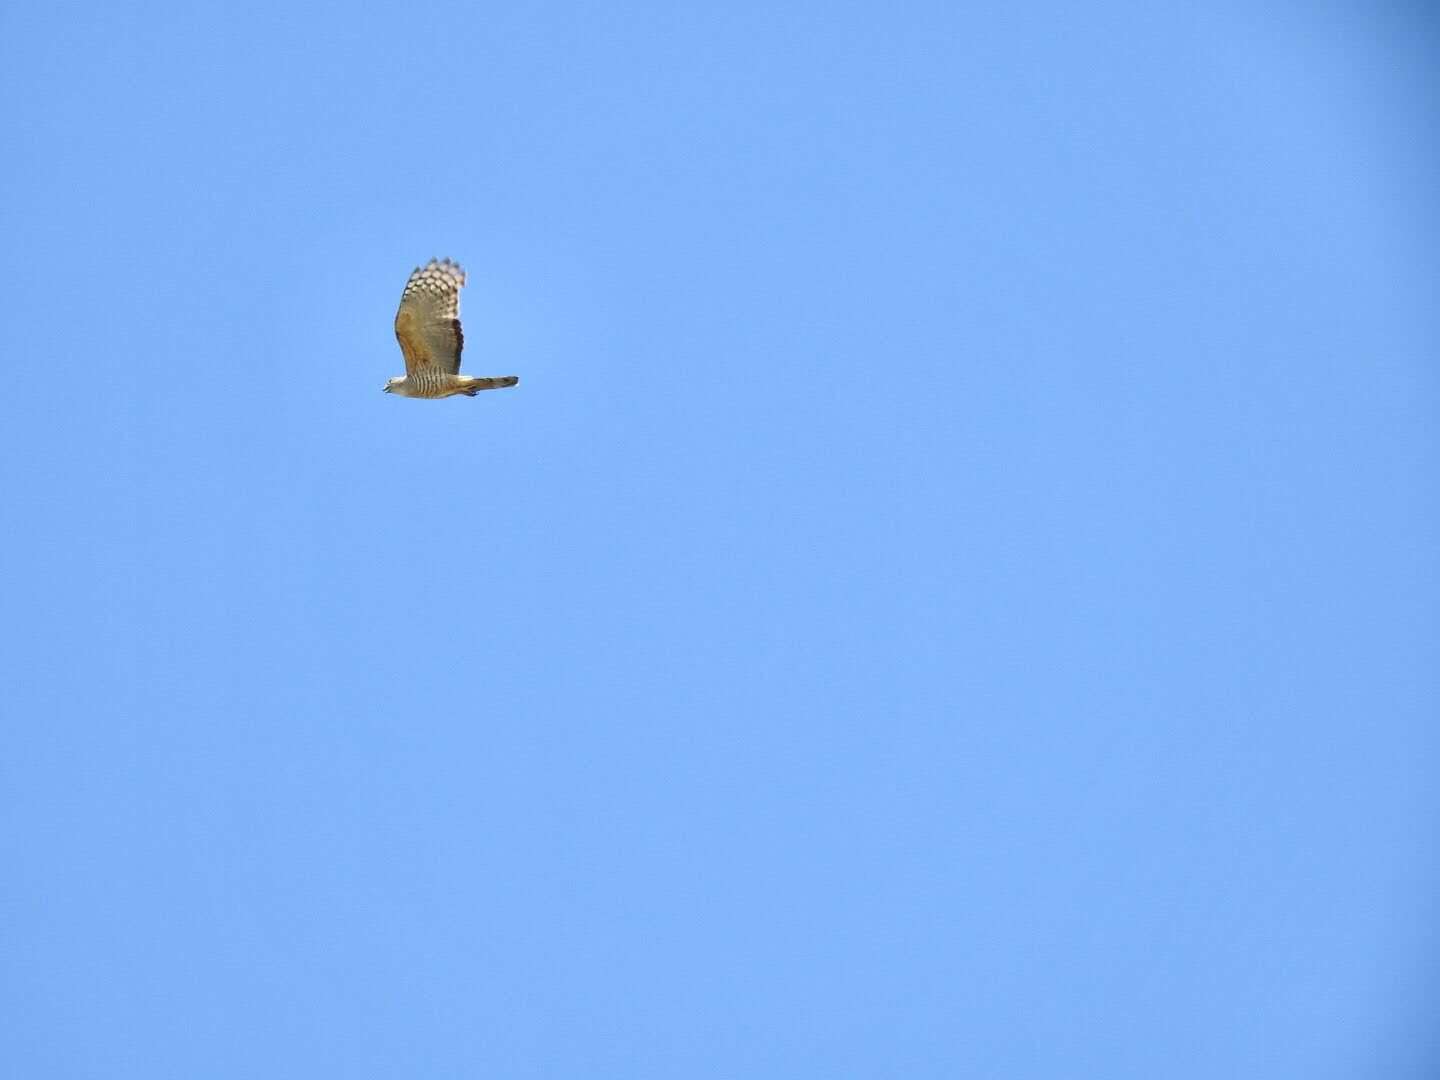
(474, 385)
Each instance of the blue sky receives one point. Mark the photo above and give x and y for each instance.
(953, 594)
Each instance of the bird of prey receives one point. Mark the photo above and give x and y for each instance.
(428, 327)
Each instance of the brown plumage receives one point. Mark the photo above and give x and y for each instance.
(428, 329)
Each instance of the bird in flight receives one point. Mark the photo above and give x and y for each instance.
(428, 327)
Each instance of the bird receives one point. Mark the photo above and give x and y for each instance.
(428, 329)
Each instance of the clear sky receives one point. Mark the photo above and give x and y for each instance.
(953, 594)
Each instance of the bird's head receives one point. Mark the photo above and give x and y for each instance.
(390, 383)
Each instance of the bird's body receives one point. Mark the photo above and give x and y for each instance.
(428, 329)
(447, 385)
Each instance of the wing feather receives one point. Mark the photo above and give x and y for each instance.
(428, 322)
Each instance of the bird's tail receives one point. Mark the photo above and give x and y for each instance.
(473, 385)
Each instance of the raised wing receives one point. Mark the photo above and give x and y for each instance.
(428, 322)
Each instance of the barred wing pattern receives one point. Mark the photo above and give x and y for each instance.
(428, 322)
